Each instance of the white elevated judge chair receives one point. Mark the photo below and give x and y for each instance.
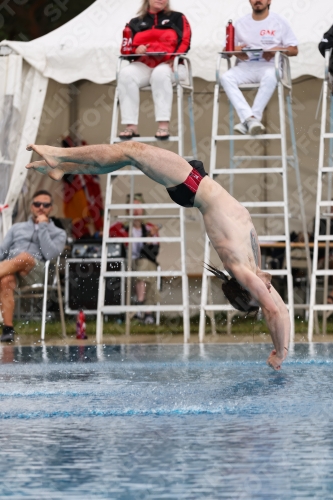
(266, 209)
(324, 205)
(156, 210)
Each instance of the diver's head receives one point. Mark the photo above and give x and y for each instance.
(238, 296)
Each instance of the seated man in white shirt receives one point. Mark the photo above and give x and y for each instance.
(260, 30)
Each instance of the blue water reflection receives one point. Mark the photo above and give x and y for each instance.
(165, 422)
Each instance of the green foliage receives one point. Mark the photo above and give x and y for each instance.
(25, 20)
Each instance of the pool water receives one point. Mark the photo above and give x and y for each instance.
(165, 422)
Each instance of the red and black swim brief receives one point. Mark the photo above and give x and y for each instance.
(184, 194)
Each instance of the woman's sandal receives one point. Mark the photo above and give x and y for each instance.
(165, 134)
(128, 134)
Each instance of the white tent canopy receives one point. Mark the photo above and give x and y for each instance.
(87, 48)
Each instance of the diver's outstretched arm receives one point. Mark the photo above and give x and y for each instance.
(274, 310)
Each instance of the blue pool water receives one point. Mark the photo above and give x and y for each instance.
(165, 422)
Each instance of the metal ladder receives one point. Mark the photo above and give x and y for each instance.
(282, 160)
(327, 102)
(110, 207)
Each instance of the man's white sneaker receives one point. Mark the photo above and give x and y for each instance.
(149, 319)
(255, 127)
(241, 128)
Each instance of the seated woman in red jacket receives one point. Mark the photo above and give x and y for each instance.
(156, 29)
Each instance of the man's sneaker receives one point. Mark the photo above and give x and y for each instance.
(255, 127)
(8, 334)
(149, 319)
(241, 128)
(139, 316)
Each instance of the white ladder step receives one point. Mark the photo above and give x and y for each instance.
(277, 272)
(154, 206)
(237, 170)
(120, 173)
(135, 274)
(326, 203)
(246, 137)
(324, 237)
(328, 135)
(327, 169)
(153, 308)
(172, 138)
(272, 237)
(147, 239)
(139, 217)
(267, 216)
(225, 307)
(263, 204)
(273, 272)
(324, 272)
(323, 307)
(218, 307)
(262, 158)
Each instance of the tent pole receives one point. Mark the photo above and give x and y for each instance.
(28, 135)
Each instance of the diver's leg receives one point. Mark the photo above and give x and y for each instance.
(162, 166)
(96, 156)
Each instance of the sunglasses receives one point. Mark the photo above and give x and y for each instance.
(38, 204)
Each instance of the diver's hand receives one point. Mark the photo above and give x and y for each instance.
(275, 361)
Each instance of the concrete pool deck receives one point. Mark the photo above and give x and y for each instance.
(160, 339)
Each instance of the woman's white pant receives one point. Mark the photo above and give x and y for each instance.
(249, 72)
(136, 75)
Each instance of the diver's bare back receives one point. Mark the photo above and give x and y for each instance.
(229, 226)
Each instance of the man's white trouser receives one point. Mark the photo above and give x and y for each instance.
(137, 75)
(249, 72)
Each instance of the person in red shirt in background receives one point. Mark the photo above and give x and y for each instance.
(143, 257)
(156, 29)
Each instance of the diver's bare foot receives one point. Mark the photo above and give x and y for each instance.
(40, 166)
(43, 168)
(56, 174)
(49, 153)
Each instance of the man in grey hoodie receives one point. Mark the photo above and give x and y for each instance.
(24, 250)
